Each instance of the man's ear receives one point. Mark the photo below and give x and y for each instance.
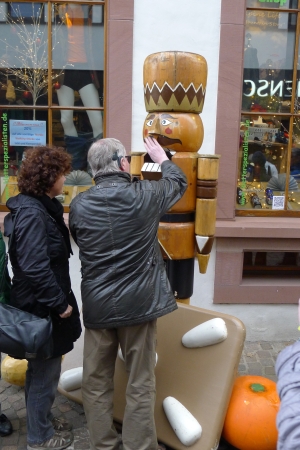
(122, 164)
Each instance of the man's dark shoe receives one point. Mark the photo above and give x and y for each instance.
(5, 426)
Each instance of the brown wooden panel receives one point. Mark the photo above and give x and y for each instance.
(208, 167)
(188, 164)
(205, 224)
(206, 192)
(178, 239)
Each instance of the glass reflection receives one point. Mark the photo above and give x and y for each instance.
(79, 144)
(24, 53)
(268, 61)
(297, 95)
(280, 4)
(79, 34)
(262, 178)
(76, 78)
(295, 151)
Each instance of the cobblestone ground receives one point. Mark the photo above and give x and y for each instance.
(258, 358)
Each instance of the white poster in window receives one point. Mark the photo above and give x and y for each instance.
(27, 133)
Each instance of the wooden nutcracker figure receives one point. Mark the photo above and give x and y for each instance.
(174, 93)
(186, 374)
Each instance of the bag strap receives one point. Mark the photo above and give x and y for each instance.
(12, 231)
(5, 271)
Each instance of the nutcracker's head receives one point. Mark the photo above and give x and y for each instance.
(181, 132)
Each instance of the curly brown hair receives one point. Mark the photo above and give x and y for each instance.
(40, 169)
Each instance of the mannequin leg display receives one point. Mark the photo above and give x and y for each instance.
(95, 118)
(90, 98)
(75, 145)
(65, 97)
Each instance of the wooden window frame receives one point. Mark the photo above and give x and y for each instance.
(118, 56)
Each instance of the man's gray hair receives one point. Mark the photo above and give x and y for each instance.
(101, 154)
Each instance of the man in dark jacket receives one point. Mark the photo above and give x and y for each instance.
(124, 287)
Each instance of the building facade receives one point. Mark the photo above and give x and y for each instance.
(250, 114)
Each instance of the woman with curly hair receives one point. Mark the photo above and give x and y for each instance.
(39, 253)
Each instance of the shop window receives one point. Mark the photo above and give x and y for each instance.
(269, 153)
(51, 85)
(274, 4)
(285, 265)
(26, 11)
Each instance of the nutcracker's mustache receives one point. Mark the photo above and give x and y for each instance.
(164, 141)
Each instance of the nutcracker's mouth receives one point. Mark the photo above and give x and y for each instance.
(164, 141)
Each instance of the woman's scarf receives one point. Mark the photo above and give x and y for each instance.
(56, 211)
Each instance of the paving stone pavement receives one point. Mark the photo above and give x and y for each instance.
(258, 358)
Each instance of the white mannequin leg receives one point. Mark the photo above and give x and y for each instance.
(90, 98)
(65, 97)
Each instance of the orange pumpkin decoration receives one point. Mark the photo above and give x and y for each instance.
(181, 132)
(250, 422)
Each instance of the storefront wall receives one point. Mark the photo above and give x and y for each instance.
(120, 19)
(216, 31)
(239, 234)
(194, 27)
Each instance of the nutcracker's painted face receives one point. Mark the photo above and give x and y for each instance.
(181, 132)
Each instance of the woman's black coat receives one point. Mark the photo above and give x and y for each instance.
(40, 264)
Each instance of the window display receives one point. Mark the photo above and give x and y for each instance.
(80, 75)
(51, 70)
(268, 61)
(267, 180)
(263, 165)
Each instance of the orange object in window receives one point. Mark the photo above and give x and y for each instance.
(75, 24)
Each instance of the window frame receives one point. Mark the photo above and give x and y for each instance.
(51, 108)
(290, 116)
(232, 35)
